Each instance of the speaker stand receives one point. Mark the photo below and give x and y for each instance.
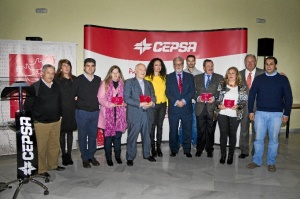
(4, 186)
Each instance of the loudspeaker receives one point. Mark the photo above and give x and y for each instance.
(265, 47)
(34, 39)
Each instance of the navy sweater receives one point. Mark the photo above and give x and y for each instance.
(86, 93)
(272, 94)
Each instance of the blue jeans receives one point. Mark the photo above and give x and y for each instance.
(87, 132)
(263, 122)
(194, 129)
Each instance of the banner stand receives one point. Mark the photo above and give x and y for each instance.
(27, 156)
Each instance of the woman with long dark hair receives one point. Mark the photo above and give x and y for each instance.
(156, 74)
(112, 117)
(64, 78)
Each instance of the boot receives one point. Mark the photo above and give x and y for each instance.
(70, 161)
(223, 159)
(153, 151)
(65, 159)
(159, 153)
(230, 159)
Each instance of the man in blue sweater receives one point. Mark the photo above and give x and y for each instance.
(274, 99)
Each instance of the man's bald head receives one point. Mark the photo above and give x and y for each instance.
(140, 71)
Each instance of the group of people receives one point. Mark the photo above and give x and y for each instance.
(64, 102)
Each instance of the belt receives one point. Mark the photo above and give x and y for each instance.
(144, 110)
(161, 103)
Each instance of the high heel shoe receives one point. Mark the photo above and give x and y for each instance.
(159, 153)
(153, 151)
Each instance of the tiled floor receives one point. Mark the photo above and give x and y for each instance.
(169, 177)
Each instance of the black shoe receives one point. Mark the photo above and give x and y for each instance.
(230, 159)
(86, 164)
(223, 159)
(94, 162)
(65, 160)
(45, 174)
(198, 153)
(119, 161)
(130, 163)
(243, 156)
(110, 163)
(159, 153)
(173, 154)
(58, 168)
(210, 154)
(151, 159)
(188, 155)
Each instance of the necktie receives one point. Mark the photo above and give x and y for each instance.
(207, 81)
(179, 83)
(249, 80)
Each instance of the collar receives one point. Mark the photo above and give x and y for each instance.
(273, 74)
(86, 76)
(205, 74)
(252, 72)
(49, 85)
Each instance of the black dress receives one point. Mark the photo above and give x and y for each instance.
(68, 123)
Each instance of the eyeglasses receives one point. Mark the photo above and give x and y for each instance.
(181, 64)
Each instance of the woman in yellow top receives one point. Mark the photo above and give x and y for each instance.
(156, 74)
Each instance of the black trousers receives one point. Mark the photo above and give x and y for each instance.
(205, 131)
(108, 141)
(63, 142)
(159, 112)
(228, 128)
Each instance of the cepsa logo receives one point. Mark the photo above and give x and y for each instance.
(160, 46)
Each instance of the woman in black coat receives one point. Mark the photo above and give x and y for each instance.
(65, 79)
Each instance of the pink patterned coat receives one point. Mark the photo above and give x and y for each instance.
(105, 104)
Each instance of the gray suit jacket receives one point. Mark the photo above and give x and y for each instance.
(212, 88)
(243, 72)
(132, 92)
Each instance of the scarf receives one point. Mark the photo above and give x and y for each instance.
(110, 125)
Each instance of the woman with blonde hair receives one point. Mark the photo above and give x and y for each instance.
(231, 100)
(112, 117)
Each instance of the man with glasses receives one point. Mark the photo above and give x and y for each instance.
(180, 90)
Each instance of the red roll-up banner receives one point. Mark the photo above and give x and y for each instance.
(126, 48)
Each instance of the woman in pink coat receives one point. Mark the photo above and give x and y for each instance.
(112, 118)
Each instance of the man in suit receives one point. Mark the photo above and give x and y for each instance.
(248, 75)
(206, 83)
(191, 68)
(180, 91)
(139, 113)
